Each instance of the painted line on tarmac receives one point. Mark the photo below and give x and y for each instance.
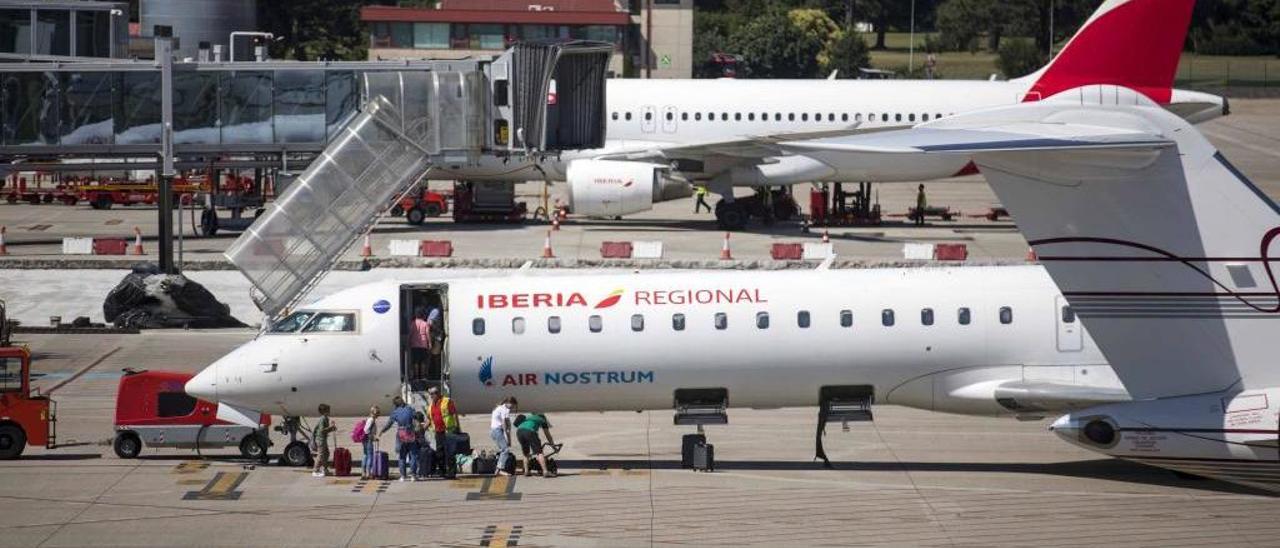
(371, 487)
(190, 467)
(501, 536)
(221, 487)
(82, 371)
(497, 488)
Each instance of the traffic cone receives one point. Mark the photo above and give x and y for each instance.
(137, 242)
(1031, 255)
(725, 254)
(826, 236)
(546, 247)
(367, 249)
(555, 222)
(4, 250)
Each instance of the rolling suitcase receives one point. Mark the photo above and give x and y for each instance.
(704, 457)
(687, 443)
(426, 461)
(342, 461)
(381, 467)
(536, 468)
(459, 443)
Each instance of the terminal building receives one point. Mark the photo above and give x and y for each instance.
(33, 29)
(652, 38)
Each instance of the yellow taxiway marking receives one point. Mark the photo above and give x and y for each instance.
(190, 467)
(496, 488)
(501, 536)
(221, 487)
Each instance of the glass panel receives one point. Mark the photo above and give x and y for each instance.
(926, 316)
(174, 404)
(401, 35)
(195, 107)
(93, 34)
(595, 324)
(517, 325)
(380, 35)
(10, 374)
(846, 318)
(487, 37)
(886, 317)
(341, 99)
(762, 320)
(1068, 315)
(477, 326)
(637, 322)
(15, 31)
(802, 319)
(431, 35)
(300, 106)
(246, 107)
(553, 324)
(677, 322)
(722, 320)
(86, 108)
(291, 323)
(1006, 315)
(53, 32)
(138, 117)
(30, 108)
(537, 32)
(964, 316)
(331, 322)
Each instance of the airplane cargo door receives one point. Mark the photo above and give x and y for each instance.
(1070, 333)
(669, 119)
(647, 119)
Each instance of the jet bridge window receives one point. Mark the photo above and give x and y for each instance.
(677, 322)
(637, 322)
(802, 319)
(291, 323)
(886, 317)
(926, 316)
(1068, 315)
(517, 325)
(595, 324)
(553, 324)
(722, 321)
(477, 326)
(762, 320)
(332, 322)
(1006, 315)
(963, 316)
(846, 318)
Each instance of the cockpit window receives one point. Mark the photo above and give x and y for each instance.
(331, 322)
(292, 322)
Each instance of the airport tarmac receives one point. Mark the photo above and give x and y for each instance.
(909, 478)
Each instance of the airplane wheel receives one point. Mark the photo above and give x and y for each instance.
(416, 216)
(297, 454)
(12, 441)
(127, 445)
(252, 447)
(731, 216)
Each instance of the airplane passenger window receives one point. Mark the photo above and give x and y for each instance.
(911, 117)
(722, 320)
(615, 116)
(777, 116)
(764, 116)
(637, 322)
(925, 116)
(1068, 315)
(857, 117)
(677, 322)
(595, 324)
(724, 116)
(697, 116)
(831, 117)
(886, 317)
(1006, 315)
(517, 325)
(791, 116)
(844, 117)
(711, 116)
(477, 326)
(648, 116)
(291, 323)
(553, 324)
(737, 116)
(804, 117)
(684, 116)
(884, 117)
(802, 319)
(846, 318)
(897, 117)
(926, 316)
(762, 320)
(671, 116)
(628, 116)
(936, 116)
(751, 116)
(963, 316)
(332, 322)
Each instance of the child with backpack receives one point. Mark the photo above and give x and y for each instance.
(364, 434)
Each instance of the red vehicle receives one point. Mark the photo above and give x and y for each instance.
(420, 204)
(26, 416)
(153, 409)
(105, 195)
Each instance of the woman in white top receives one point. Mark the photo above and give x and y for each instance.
(366, 463)
(500, 431)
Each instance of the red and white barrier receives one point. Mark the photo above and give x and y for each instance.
(917, 252)
(725, 253)
(615, 250)
(77, 246)
(4, 249)
(547, 253)
(366, 250)
(137, 242)
(818, 251)
(646, 249)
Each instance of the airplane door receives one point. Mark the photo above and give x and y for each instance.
(1070, 334)
(669, 119)
(647, 122)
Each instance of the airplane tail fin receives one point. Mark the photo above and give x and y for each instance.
(1130, 43)
(1163, 249)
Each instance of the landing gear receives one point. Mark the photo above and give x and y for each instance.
(768, 204)
(254, 447)
(698, 407)
(731, 215)
(843, 404)
(297, 453)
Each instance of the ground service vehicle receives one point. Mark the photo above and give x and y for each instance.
(25, 417)
(420, 204)
(153, 410)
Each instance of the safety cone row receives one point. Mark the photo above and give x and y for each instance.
(367, 249)
(137, 242)
(546, 247)
(4, 250)
(725, 253)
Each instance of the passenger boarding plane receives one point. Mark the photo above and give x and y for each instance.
(721, 132)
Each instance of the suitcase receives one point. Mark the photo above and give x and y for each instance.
(426, 461)
(459, 443)
(510, 467)
(687, 443)
(484, 465)
(342, 461)
(537, 468)
(704, 457)
(381, 469)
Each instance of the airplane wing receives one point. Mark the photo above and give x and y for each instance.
(750, 148)
(1159, 245)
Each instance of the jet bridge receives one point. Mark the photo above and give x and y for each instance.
(451, 113)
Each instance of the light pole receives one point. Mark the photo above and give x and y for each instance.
(911, 47)
(1051, 10)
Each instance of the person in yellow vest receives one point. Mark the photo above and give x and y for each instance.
(442, 418)
(922, 203)
(701, 192)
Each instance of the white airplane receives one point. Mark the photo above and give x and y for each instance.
(1163, 249)
(721, 132)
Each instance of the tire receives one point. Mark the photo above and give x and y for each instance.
(732, 217)
(434, 209)
(102, 202)
(252, 447)
(785, 209)
(415, 216)
(127, 445)
(296, 454)
(12, 441)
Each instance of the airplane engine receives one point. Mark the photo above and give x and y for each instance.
(1028, 392)
(609, 188)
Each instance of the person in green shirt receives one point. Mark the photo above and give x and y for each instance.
(531, 443)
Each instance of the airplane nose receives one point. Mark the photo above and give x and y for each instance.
(204, 385)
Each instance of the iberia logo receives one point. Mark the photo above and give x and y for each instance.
(486, 371)
(612, 299)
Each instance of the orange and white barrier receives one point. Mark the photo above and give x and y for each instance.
(817, 251)
(547, 253)
(4, 249)
(366, 250)
(137, 242)
(725, 253)
(646, 249)
(917, 252)
(77, 246)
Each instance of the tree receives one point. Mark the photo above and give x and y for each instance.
(848, 52)
(1019, 57)
(711, 32)
(773, 47)
(314, 29)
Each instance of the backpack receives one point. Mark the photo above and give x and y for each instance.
(519, 419)
(357, 433)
